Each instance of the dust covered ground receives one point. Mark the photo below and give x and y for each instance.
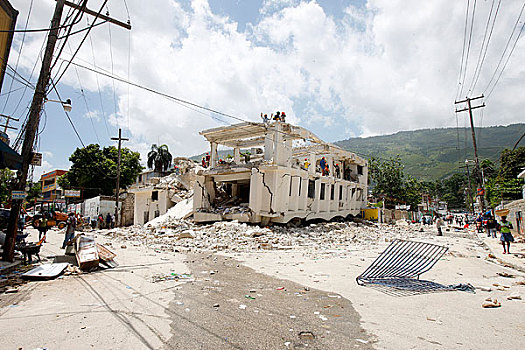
(235, 286)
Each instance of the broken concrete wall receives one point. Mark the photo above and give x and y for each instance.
(128, 210)
(150, 203)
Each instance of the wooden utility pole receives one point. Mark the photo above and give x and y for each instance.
(31, 129)
(117, 189)
(33, 121)
(469, 108)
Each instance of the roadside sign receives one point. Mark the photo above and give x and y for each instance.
(72, 193)
(18, 194)
(37, 159)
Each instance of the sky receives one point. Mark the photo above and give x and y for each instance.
(339, 68)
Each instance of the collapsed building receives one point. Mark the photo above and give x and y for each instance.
(275, 175)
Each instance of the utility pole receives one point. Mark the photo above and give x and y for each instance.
(31, 129)
(117, 189)
(469, 185)
(479, 177)
(34, 119)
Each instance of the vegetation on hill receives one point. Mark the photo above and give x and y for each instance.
(433, 154)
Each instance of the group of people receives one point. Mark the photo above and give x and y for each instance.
(108, 222)
(484, 222)
(278, 116)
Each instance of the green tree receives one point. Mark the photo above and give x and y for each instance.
(504, 184)
(387, 178)
(454, 191)
(35, 190)
(159, 158)
(6, 178)
(94, 170)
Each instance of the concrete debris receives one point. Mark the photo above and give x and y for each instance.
(491, 303)
(324, 239)
(514, 296)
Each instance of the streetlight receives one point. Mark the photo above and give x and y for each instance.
(65, 104)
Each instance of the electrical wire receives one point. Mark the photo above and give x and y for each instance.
(468, 47)
(57, 77)
(485, 43)
(53, 85)
(463, 50)
(98, 86)
(85, 100)
(112, 80)
(19, 53)
(503, 54)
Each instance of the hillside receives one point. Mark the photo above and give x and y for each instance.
(432, 154)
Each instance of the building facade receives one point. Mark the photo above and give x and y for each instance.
(278, 172)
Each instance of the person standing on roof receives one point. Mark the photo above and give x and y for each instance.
(277, 116)
(506, 237)
(283, 117)
(322, 164)
(306, 164)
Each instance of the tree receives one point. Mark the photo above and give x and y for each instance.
(35, 190)
(6, 178)
(159, 158)
(388, 178)
(504, 184)
(95, 170)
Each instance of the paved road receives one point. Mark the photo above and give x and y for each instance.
(214, 313)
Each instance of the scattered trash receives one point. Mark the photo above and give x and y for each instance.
(46, 271)
(249, 297)
(306, 335)
(292, 316)
(362, 341)
(171, 277)
(11, 290)
(280, 288)
(491, 303)
(323, 318)
(86, 252)
(504, 274)
(216, 305)
(514, 296)
(242, 307)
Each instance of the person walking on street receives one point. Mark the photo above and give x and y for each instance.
(71, 224)
(42, 228)
(506, 237)
(108, 221)
(439, 224)
(491, 227)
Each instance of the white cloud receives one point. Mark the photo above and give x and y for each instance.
(390, 65)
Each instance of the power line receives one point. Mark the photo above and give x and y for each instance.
(98, 86)
(468, 47)
(504, 51)
(483, 54)
(79, 46)
(184, 102)
(19, 53)
(85, 101)
(463, 50)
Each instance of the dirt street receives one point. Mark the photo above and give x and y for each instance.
(230, 306)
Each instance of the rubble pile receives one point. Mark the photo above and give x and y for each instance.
(232, 236)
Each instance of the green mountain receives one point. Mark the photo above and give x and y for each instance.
(432, 154)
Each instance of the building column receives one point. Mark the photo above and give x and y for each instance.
(237, 155)
(213, 155)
